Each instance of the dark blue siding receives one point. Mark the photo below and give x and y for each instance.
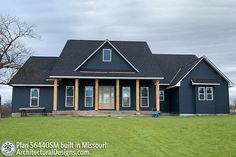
(21, 98)
(189, 102)
(132, 85)
(165, 107)
(152, 95)
(117, 64)
(61, 94)
(82, 84)
(174, 99)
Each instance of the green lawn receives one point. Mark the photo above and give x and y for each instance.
(131, 136)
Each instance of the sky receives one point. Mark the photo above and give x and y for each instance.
(201, 27)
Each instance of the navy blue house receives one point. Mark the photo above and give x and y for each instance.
(94, 76)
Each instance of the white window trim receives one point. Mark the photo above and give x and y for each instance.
(144, 97)
(162, 91)
(199, 88)
(34, 97)
(212, 94)
(129, 96)
(103, 55)
(85, 104)
(70, 96)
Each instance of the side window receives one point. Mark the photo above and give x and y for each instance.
(88, 96)
(34, 97)
(205, 93)
(201, 93)
(162, 95)
(209, 93)
(69, 96)
(144, 97)
(106, 55)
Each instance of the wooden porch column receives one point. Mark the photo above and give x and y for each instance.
(96, 95)
(137, 95)
(117, 95)
(55, 95)
(158, 95)
(76, 94)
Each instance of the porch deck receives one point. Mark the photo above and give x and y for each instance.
(105, 113)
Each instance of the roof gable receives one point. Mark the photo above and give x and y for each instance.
(96, 63)
(184, 71)
(106, 42)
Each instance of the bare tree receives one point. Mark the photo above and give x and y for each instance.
(12, 50)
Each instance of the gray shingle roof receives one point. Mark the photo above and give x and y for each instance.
(76, 51)
(35, 71)
(170, 64)
(183, 71)
(173, 67)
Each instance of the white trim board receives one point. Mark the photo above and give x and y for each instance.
(100, 77)
(177, 85)
(231, 84)
(106, 41)
(162, 84)
(30, 85)
(207, 84)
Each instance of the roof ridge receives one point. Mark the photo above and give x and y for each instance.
(171, 54)
(142, 41)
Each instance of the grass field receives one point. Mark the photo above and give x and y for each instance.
(131, 136)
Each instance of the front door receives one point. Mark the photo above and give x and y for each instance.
(106, 97)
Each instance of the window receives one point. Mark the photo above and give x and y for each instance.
(201, 93)
(205, 93)
(88, 96)
(106, 56)
(69, 96)
(162, 95)
(144, 97)
(209, 93)
(125, 96)
(34, 97)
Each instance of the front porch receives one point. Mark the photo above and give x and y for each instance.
(105, 96)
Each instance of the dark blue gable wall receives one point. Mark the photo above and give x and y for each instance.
(188, 96)
(117, 64)
(21, 98)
